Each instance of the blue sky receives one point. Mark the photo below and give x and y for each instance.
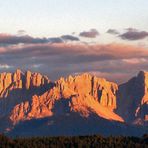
(61, 37)
(56, 17)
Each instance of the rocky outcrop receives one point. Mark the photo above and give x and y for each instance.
(84, 94)
(34, 109)
(133, 99)
(17, 90)
(35, 80)
(87, 85)
(27, 96)
(20, 80)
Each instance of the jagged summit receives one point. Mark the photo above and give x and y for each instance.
(86, 84)
(20, 80)
(133, 99)
(84, 93)
(142, 74)
(80, 75)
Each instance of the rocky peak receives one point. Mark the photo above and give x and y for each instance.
(142, 76)
(144, 80)
(35, 79)
(133, 97)
(20, 80)
(83, 94)
(89, 85)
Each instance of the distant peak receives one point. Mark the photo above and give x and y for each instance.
(142, 73)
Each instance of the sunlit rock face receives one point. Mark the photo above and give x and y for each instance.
(35, 80)
(20, 80)
(31, 96)
(87, 85)
(133, 99)
(17, 89)
(84, 94)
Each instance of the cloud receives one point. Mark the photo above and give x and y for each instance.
(5, 66)
(76, 52)
(69, 38)
(133, 34)
(13, 39)
(21, 32)
(55, 40)
(131, 29)
(36, 65)
(93, 33)
(7, 39)
(112, 31)
(113, 61)
(72, 53)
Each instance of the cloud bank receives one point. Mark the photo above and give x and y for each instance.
(8, 39)
(113, 61)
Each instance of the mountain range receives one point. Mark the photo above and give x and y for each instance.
(33, 105)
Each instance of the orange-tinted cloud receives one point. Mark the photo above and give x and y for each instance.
(86, 52)
(113, 61)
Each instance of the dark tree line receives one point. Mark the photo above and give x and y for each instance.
(74, 142)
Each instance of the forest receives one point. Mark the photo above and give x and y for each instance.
(74, 142)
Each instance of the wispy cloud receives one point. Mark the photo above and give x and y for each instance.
(5, 66)
(21, 32)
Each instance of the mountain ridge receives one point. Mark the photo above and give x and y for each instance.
(28, 96)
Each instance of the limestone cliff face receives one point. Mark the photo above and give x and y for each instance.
(35, 80)
(17, 89)
(87, 85)
(38, 107)
(19, 80)
(84, 94)
(26, 96)
(133, 99)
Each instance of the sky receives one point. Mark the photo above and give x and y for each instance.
(61, 37)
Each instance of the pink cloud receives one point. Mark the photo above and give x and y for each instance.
(113, 61)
